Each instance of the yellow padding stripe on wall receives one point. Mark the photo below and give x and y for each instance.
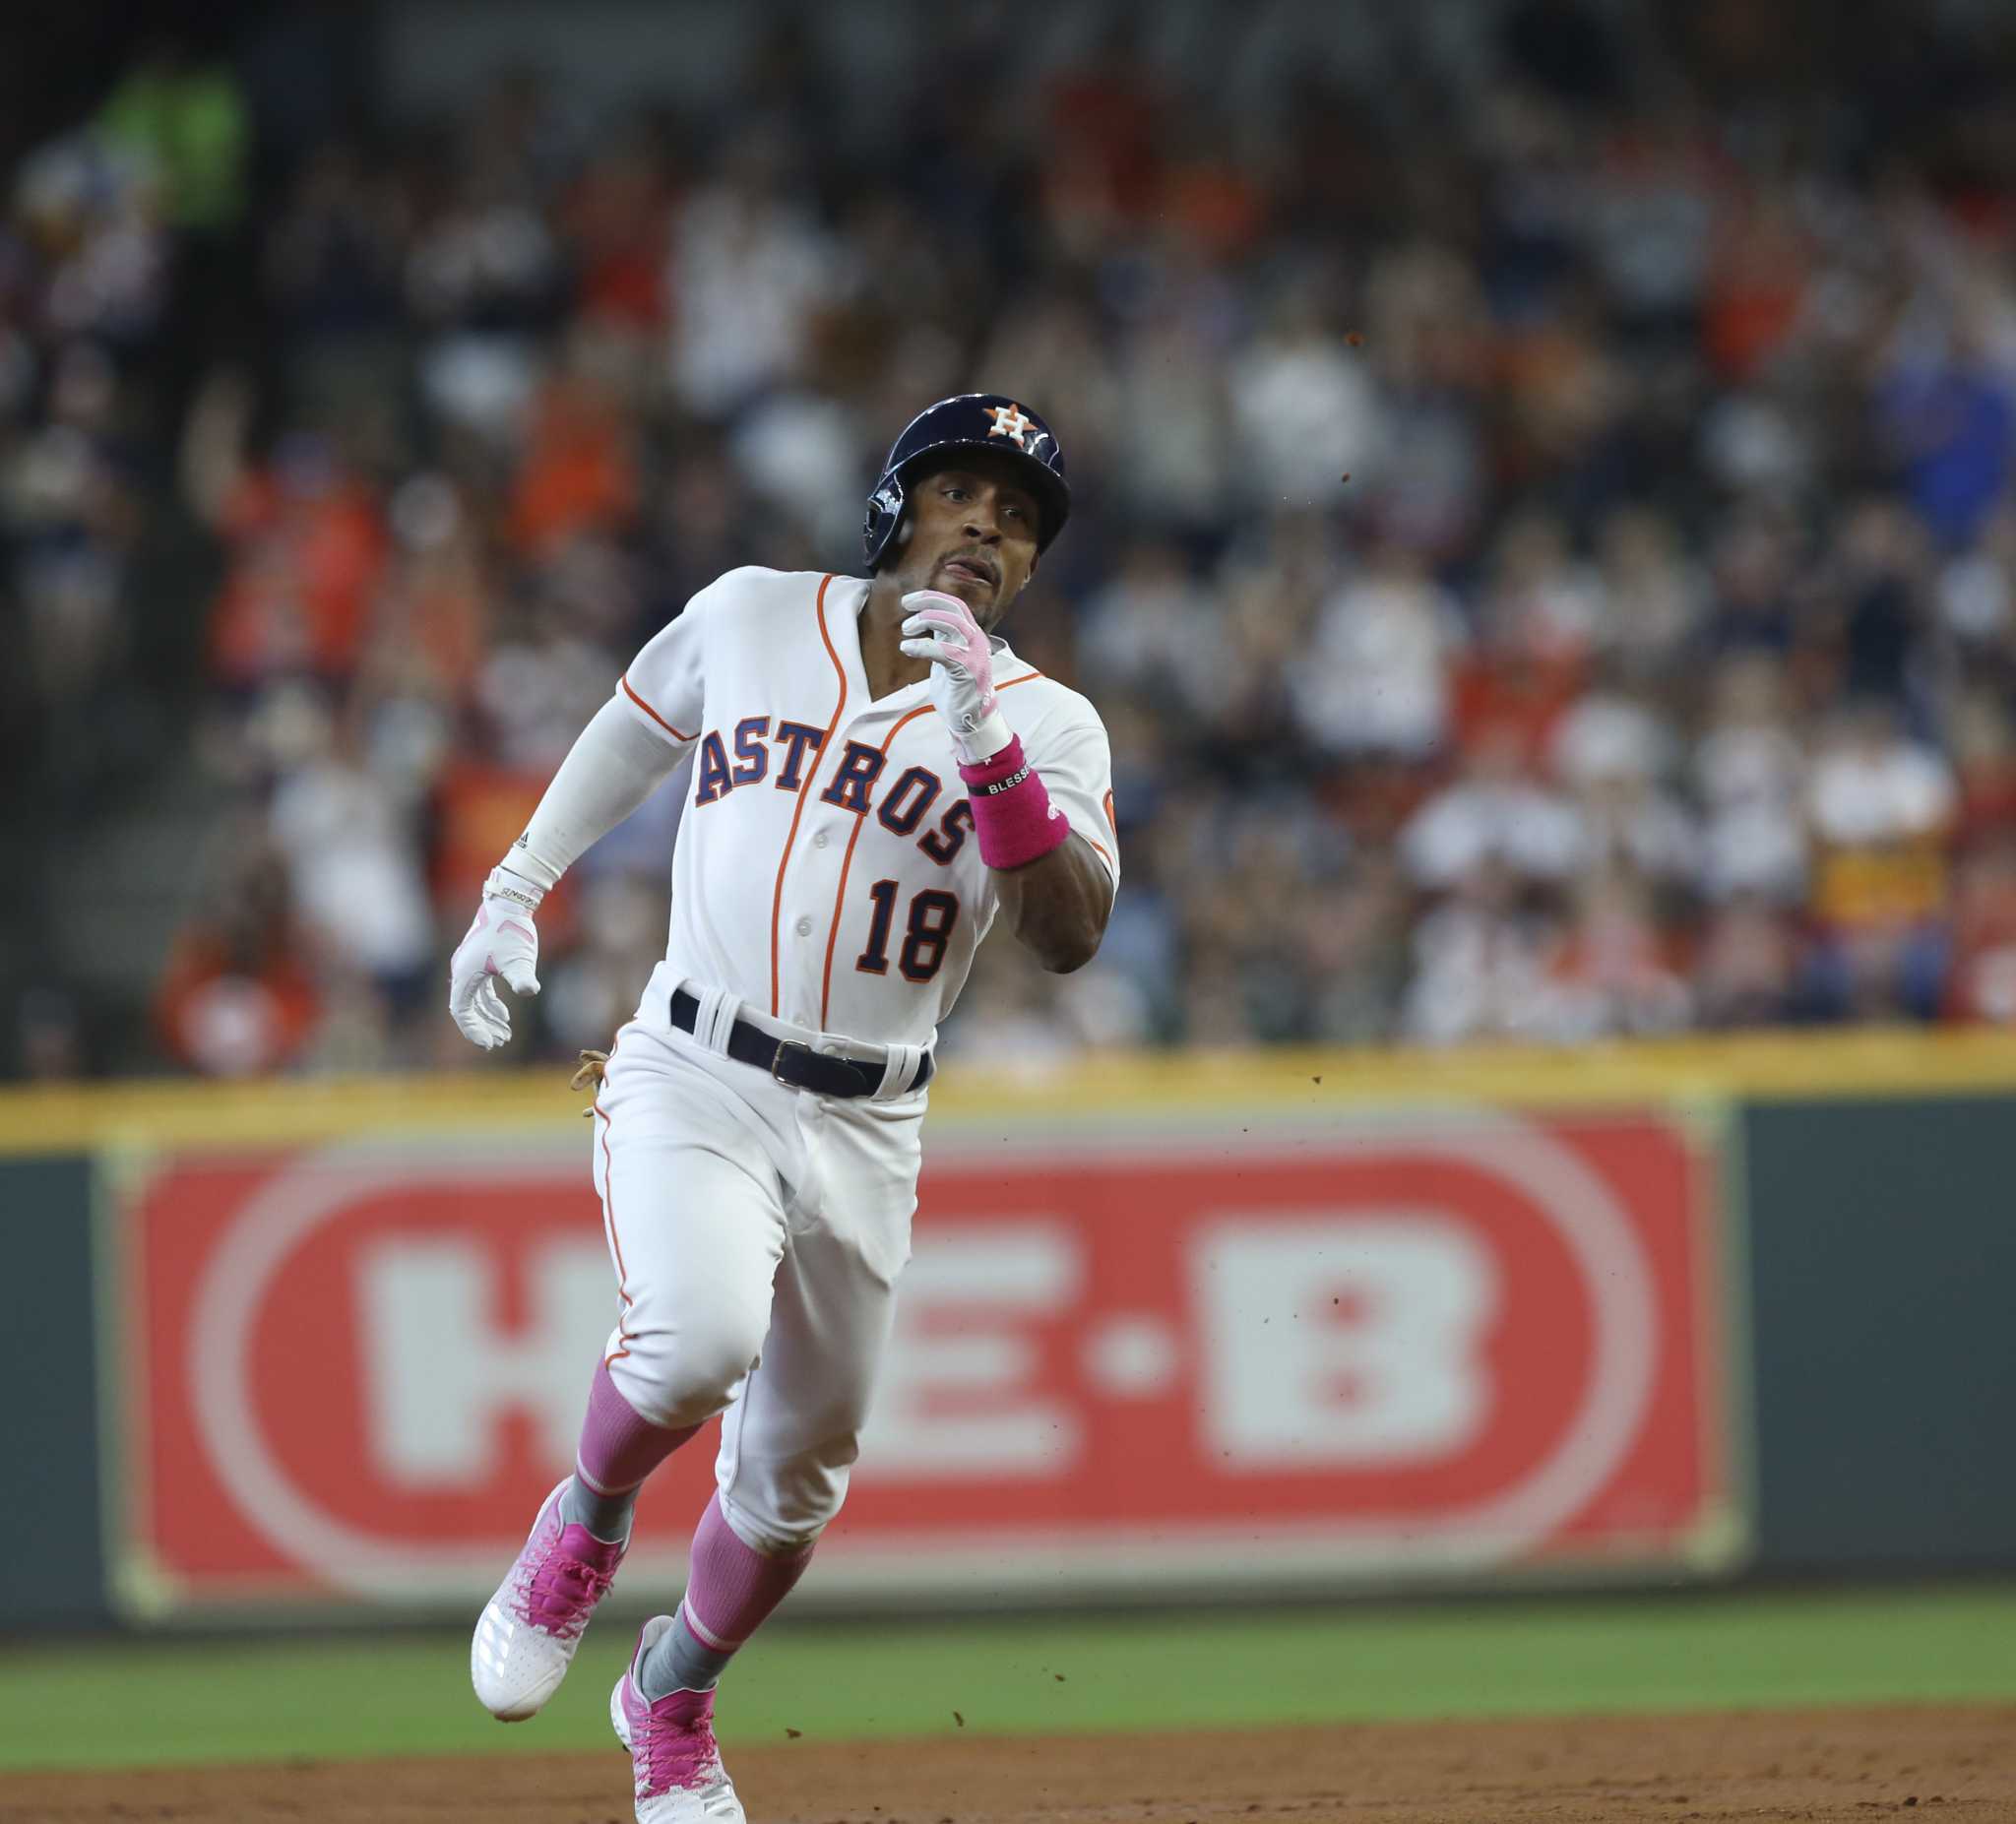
(1301, 1084)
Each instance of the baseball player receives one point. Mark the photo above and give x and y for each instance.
(876, 776)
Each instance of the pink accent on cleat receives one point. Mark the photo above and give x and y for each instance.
(529, 1630)
(673, 1756)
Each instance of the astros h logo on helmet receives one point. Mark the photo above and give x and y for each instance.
(1012, 423)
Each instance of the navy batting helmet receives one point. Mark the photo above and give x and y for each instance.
(978, 421)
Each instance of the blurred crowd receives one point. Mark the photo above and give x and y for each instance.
(1545, 549)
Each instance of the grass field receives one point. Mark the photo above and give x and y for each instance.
(357, 1696)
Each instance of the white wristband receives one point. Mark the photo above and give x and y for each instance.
(985, 741)
(503, 884)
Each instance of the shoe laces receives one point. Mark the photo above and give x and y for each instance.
(562, 1591)
(676, 1751)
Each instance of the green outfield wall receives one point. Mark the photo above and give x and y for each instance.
(1882, 1292)
(1694, 1313)
(54, 1572)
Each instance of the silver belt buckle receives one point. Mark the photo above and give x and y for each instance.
(776, 1058)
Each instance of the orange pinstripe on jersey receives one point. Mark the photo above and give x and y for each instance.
(804, 791)
(652, 713)
(848, 860)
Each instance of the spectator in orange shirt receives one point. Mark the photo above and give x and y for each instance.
(306, 547)
(238, 998)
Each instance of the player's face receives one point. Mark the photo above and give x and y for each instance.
(972, 535)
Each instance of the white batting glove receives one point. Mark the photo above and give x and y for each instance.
(501, 941)
(942, 629)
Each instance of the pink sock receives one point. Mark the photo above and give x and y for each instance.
(730, 1587)
(618, 1448)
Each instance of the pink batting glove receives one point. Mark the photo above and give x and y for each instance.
(942, 629)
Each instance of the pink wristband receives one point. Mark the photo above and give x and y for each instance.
(1013, 818)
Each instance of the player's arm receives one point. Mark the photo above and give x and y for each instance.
(625, 754)
(1058, 903)
(1035, 827)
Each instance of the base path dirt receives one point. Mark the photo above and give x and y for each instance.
(1951, 1763)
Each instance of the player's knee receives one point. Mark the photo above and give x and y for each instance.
(778, 1530)
(687, 1371)
(781, 1522)
(786, 1542)
(687, 1389)
(783, 1506)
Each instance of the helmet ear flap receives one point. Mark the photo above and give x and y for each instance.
(888, 522)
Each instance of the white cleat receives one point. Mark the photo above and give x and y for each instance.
(675, 1760)
(527, 1632)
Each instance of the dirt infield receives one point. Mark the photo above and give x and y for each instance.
(1957, 1763)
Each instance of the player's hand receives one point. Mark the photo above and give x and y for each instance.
(502, 941)
(942, 629)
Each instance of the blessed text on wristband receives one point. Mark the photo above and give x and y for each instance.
(1013, 819)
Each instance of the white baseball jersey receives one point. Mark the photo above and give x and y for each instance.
(826, 869)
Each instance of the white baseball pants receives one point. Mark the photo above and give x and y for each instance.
(757, 1234)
